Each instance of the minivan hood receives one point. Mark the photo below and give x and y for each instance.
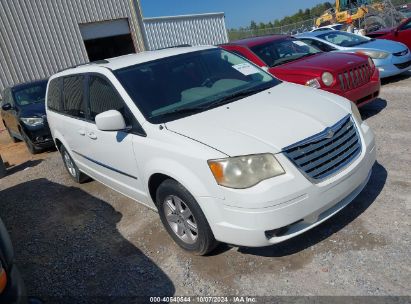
(321, 62)
(382, 45)
(265, 122)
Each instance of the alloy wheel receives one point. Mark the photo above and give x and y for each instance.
(180, 219)
(69, 164)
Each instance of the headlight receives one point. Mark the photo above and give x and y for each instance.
(375, 54)
(313, 83)
(245, 171)
(356, 113)
(32, 121)
(371, 62)
(327, 78)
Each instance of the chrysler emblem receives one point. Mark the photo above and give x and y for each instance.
(330, 134)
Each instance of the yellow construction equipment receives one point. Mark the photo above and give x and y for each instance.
(362, 14)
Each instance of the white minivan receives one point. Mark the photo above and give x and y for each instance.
(220, 148)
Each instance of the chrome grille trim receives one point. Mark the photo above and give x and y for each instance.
(321, 156)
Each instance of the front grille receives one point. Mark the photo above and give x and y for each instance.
(403, 53)
(355, 77)
(403, 65)
(327, 152)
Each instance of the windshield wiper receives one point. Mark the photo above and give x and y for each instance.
(293, 59)
(236, 96)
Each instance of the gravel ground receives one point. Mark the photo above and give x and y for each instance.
(87, 240)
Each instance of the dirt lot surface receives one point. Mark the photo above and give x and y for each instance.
(87, 240)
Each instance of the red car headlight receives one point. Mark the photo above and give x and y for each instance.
(327, 78)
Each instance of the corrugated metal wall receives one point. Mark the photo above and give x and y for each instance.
(40, 37)
(204, 29)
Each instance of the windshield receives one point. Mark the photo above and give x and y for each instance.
(343, 39)
(30, 94)
(282, 51)
(177, 86)
(338, 27)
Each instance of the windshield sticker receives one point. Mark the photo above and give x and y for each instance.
(246, 69)
(299, 43)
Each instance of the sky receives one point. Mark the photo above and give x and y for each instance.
(238, 12)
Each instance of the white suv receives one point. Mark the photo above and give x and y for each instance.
(224, 151)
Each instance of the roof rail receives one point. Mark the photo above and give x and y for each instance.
(174, 46)
(85, 63)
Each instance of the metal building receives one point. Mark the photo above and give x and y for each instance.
(38, 38)
(201, 29)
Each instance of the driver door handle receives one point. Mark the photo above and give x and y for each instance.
(92, 135)
(81, 132)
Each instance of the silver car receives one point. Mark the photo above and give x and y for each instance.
(390, 57)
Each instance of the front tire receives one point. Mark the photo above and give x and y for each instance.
(30, 146)
(71, 167)
(183, 219)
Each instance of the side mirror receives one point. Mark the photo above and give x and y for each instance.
(6, 107)
(111, 120)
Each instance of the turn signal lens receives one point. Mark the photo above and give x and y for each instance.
(217, 170)
(313, 83)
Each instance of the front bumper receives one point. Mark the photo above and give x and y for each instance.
(286, 206)
(363, 94)
(40, 136)
(387, 67)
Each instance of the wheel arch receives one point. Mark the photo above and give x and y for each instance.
(197, 185)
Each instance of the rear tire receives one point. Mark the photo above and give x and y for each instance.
(183, 218)
(71, 167)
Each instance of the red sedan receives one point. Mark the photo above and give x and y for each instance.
(353, 76)
(401, 33)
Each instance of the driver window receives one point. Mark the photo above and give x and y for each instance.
(103, 97)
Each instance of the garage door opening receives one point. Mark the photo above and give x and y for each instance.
(107, 39)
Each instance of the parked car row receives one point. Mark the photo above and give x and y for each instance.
(353, 76)
(391, 58)
(208, 137)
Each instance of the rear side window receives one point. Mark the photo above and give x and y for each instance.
(73, 96)
(103, 97)
(54, 96)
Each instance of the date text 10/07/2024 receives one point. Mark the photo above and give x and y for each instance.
(235, 299)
